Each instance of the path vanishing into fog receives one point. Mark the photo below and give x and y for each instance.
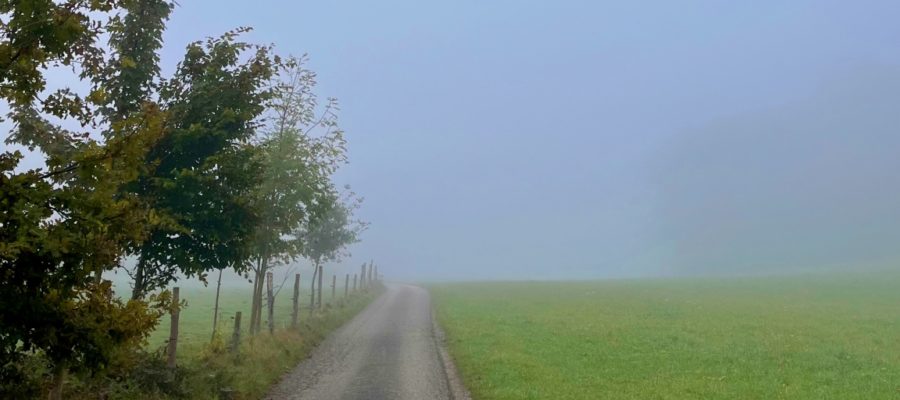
(388, 351)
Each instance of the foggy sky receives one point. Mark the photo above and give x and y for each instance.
(586, 139)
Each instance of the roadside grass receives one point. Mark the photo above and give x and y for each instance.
(196, 319)
(803, 337)
(208, 367)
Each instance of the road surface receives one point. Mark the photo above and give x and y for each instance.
(388, 351)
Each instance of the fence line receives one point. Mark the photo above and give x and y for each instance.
(359, 285)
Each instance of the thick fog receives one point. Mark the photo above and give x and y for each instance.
(809, 185)
(586, 139)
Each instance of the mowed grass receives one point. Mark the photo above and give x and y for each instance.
(810, 337)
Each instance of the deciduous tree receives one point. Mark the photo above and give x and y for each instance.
(327, 236)
(205, 169)
(61, 225)
(301, 150)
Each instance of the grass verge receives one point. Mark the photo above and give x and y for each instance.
(207, 368)
(264, 358)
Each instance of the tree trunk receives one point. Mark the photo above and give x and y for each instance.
(296, 310)
(270, 297)
(254, 299)
(173, 329)
(262, 267)
(265, 271)
(59, 377)
(257, 306)
(321, 272)
(216, 306)
(312, 291)
(137, 292)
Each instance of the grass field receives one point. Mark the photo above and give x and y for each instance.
(196, 319)
(261, 359)
(811, 337)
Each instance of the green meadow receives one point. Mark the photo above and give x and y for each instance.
(261, 360)
(195, 322)
(801, 337)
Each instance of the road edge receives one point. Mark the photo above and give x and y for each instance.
(457, 390)
(276, 389)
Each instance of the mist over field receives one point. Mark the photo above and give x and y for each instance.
(576, 139)
(805, 186)
(587, 140)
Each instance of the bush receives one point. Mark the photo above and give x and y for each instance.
(24, 378)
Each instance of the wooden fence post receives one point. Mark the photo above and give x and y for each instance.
(376, 273)
(333, 284)
(271, 302)
(362, 276)
(236, 336)
(173, 330)
(346, 285)
(216, 307)
(296, 312)
(354, 282)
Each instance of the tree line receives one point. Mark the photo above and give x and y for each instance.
(227, 163)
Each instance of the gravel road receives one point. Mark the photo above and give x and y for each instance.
(388, 351)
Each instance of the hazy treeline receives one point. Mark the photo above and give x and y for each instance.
(227, 163)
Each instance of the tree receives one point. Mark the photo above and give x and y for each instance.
(335, 228)
(205, 169)
(130, 78)
(39, 33)
(165, 169)
(62, 225)
(56, 234)
(301, 150)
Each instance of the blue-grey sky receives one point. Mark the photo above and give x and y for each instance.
(570, 139)
(586, 139)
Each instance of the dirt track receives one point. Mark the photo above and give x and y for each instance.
(389, 351)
